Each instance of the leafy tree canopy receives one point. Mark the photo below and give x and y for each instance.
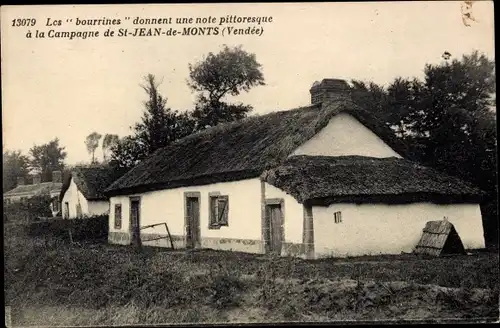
(15, 165)
(46, 158)
(229, 72)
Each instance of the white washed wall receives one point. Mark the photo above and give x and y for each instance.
(168, 205)
(98, 207)
(345, 135)
(125, 202)
(293, 214)
(389, 229)
(73, 196)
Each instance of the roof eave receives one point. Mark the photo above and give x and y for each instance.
(405, 198)
(193, 181)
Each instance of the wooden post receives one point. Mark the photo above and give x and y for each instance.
(169, 236)
(70, 236)
(308, 232)
(263, 219)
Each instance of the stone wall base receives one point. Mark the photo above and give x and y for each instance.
(178, 241)
(232, 244)
(120, 238)
(227, 244)
(294, 249)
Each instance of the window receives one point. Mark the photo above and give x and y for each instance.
(219, 208)
(118, 216)
(337, 217)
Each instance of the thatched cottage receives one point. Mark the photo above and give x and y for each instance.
(321, 180)
(82, 193)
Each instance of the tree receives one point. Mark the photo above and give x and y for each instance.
(229, 72)
(448, 122)
(159, 125)
(15, 165)
(207, 114)
(372, 97)
(46, 158)
(459, 123)
(126, 153)
(460, 85)
(92, 142)
(108, 141)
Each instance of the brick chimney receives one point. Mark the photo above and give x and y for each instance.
(329, 90)
(20, 181)
(56, 176)
(37, 179)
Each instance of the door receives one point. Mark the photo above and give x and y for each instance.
(274, 228)
(66, 210)
(135, 221)
(192, 222)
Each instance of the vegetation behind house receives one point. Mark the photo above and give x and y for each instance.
(27, 210)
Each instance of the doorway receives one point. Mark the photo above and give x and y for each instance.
(274, 226)
(135, 228)
(192, 219)
(66, 210)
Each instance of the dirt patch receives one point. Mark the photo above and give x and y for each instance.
(370, 300)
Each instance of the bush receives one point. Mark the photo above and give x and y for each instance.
(82, 229)
(28, 210)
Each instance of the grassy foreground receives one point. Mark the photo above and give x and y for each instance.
(56, 283)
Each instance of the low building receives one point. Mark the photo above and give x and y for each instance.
(82, 193)
(327, 179)
(37, 188)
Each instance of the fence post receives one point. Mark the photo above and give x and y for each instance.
(169, 236)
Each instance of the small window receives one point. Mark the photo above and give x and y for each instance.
(219, 208)
(337, 217)
(118, 216)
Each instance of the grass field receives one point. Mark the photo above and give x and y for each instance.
(54, 283)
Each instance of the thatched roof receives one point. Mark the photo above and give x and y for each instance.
(91, 181)
(323, 180)
(35, 189)
(439, 238)
(242, 149)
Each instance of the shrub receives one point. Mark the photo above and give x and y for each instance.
(225, 291)
(82, 229)
(29, 209)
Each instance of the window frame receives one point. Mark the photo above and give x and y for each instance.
(337, 217)
(117, 223)
(216, 219)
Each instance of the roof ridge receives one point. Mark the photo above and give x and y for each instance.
(225, 125)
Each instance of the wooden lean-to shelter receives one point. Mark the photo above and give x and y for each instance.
(439, 238)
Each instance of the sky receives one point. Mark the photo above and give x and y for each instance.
(70, 88)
